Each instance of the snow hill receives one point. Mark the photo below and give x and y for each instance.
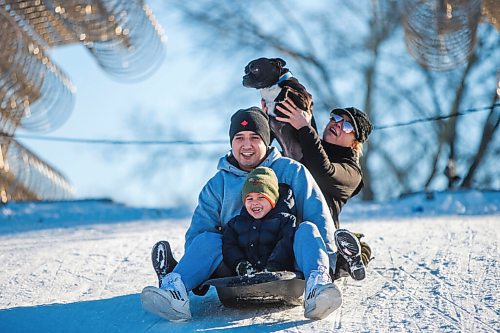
(79, 266)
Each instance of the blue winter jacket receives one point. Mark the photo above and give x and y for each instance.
(220, 199)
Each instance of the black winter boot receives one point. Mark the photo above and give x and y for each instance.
(162, 259)
(350, 249)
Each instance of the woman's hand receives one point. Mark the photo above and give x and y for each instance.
(295, 116)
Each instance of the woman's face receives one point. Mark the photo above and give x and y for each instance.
(334, 133)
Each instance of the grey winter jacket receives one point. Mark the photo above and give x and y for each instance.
(220, 199)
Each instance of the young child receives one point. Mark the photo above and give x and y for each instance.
(261, 237)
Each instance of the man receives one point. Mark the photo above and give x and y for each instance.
(220, 200)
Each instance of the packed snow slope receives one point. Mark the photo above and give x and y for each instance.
(79, 266)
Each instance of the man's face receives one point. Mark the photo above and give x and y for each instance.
(248, 149)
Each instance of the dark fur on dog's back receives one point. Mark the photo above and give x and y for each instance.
(264, 73)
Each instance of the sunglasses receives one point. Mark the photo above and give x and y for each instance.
(346, 125)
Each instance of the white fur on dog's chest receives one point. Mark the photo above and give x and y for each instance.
(269, 94)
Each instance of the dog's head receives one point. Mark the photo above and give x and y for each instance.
(263, 72)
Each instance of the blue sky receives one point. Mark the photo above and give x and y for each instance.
(175, 102)
(103, 109)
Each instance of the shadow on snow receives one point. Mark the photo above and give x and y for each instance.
(18, 217)
(125, 314)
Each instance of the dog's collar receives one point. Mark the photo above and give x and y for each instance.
(284, 77)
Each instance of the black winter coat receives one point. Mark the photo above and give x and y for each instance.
(335, 168)
(265, 243)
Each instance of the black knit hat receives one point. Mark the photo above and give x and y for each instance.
(251, 119)
(362, 125)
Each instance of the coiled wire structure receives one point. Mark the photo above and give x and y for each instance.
(24, 176)
(36, 95)
(123, 36)
(441, 34)
(491, 9)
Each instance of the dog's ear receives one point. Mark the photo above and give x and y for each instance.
(279, 62)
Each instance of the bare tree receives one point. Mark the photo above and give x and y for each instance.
(352, 53)
(490, 127)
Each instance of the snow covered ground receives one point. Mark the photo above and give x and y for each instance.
(79, 266)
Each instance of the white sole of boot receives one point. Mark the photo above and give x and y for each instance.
(328, 299)
(158, 302)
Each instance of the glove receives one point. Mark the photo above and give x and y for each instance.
(358, 234)
(366, 251)
(245, 268)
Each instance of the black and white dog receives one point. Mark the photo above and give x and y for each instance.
(276, 83)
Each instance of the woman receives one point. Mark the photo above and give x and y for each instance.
(334, 163)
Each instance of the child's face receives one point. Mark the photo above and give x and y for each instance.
(257, 205)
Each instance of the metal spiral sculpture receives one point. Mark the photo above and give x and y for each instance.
(24, 176)
(441, 34)
(491, 9)
(33, 17)
(36, 95)
(123, 36)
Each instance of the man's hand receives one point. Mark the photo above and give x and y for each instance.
(295, 116)
(245, 268)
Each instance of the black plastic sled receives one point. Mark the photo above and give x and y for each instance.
(273, 289)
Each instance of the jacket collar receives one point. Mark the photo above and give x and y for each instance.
(336, 152)
(228, 162)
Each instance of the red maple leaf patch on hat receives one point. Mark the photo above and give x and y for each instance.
(244, 123)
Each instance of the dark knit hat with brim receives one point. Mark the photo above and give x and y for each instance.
(262, 180)
(362, 125)
(251, 119)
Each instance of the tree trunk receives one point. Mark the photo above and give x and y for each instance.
(490, 127)
(451, 133)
